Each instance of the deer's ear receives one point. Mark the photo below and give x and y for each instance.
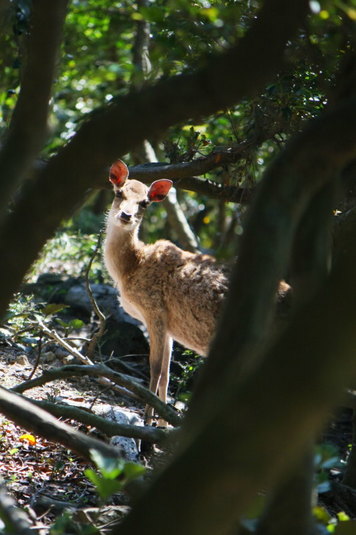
(159, 189)
(118, 173)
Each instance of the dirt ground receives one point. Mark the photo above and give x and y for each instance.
(46, 479)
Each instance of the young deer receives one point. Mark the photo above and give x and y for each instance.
(175, 293)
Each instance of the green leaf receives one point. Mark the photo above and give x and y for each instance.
(105, 487)
(133, 470)
(76, 323)
(53, 308)
(109, 467)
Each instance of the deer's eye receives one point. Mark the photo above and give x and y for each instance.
(144, 203)
(118, 194)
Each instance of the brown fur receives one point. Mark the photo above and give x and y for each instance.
(175, 293)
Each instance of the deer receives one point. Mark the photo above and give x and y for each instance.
(176, 294)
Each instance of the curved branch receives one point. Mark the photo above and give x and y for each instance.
(199, 166)
(28, 125)
(113, 131)
(35, 419)
(181, 174)
(101, 370)
(109, 428)
(215, 190)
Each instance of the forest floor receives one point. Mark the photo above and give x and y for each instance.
(46, 479)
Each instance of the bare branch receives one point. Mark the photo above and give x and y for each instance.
(214, 190)
(146, 433)
(165, 411)
(179, 223)
(182, 173)
(99, 314)
(71, 350)
(140, 51)
(199, 166)
(33, 418)
(78, 355)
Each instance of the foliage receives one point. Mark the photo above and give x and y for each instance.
(22, 322)
(69, 252)
(182, 382)
(115, 474)
(96, 66)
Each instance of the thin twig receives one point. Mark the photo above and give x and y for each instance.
(85, 360)
(38, 357)
(72, 350)
(113, 362)
(101, 317)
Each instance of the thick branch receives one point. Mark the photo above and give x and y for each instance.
(292, 500)
(182, 174)
(199, 166)
(302, 170)
(309, 270)
(35, 419)
(28, 126)
(215, 190)
(100, 370)
(146, 433)
(282, 400)
(237, 73)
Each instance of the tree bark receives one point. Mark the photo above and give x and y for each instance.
(28, 126)
(308, 163)
(289, 506)
(289, 509)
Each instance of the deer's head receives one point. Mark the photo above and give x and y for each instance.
(132, 196)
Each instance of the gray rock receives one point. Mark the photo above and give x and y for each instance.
(128, 447)
(105, 296)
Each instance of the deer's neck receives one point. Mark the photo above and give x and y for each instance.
(121, 251)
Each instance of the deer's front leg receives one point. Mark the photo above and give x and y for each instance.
(160, 354)
(164, 379)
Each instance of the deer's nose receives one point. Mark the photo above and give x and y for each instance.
(125, 216)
